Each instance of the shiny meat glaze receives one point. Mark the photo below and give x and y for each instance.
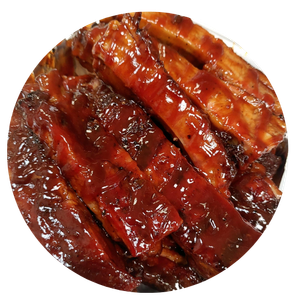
(109, 182)
(127, 53)
(165, 225)
(82, 43)
(255, 127)
(256, 197)
(211, 224)
(222, 102)
(56, 216)
(213, 53)
(162, 274)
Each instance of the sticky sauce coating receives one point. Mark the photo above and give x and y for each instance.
(56, 216)
(255, 127)
(127, 54)
(143, 152)
(122, 199)
(210, 222)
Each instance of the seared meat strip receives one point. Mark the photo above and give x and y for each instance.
(56, 216)
(255, 127)
(82, 42)
(213, 233)
(163, 274)
(255, 196)
(213, 53)
(129, 56)
(105, 177)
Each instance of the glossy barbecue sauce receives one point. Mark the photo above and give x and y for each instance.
(130, 58)
(256, 197)
(101, 172)
(212, 53)
(56, 216)
(176, 30)
(254, 126)
(83, 41)
(213, 233)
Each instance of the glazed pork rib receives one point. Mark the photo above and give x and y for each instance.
(255, 195)
(82, 43)
(166, 272)
(163, 274)
(168, 223)
(230, 109)
(141, 135)
(214, 54)
(129, 56)
(254, 126)
(56, 216)
(103, 175)
(213, 233)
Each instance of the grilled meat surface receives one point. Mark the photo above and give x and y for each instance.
(56, 215)
(144, 151)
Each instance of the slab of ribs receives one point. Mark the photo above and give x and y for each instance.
(143, 152)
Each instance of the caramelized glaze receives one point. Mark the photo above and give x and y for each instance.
(56, 216)
(127, 54)
(256, 128)
(210, 222)
(109, 182)
(217, 57)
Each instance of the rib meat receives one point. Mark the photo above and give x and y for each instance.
(255, 127)
(102, 186)
(213, 233)
(213, 53)
(56, 216)
(163, 274)
(129, 56)
(82, 42)
(109, 182)
(255, 196)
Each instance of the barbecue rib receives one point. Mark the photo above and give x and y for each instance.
(217, 58)
(82, 43)
(255, 196)
(211, 224)
(95, 161)
(255, 127)
(248, 140)
(129, 56)
(56, 216)
(109, 182)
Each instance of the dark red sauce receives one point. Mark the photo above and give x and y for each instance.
(211, 52)
(102, 187)
(126, 54)
(254, 126)
(212, 48)
(211, 224)
(254, 198)
(108, 181)
(56, 216)
(183, 24)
